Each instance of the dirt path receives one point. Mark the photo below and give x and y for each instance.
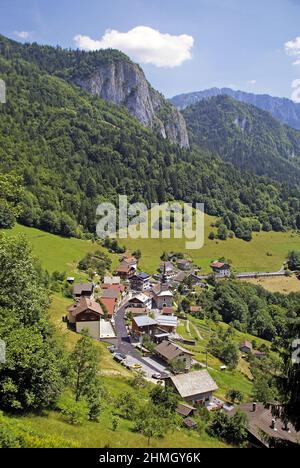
(197, 332)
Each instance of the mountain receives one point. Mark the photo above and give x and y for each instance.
(246, 136)
(284, 110)
(111, 75)
(75, 150)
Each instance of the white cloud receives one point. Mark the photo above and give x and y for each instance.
(296, 93)
(293, 48)
(22, 34)
(143, 44)
(252, 82)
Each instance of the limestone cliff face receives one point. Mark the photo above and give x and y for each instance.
(125, 84)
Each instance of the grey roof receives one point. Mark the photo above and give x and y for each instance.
(194, 383)
(170, 350)
(80, 288)
(143, 275)
(144, 321)
(167, 320)
(111, 293)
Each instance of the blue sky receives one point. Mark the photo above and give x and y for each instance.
(236, 43)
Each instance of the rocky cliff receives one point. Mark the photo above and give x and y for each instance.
(124, 84)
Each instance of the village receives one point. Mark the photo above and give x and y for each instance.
(137, 316)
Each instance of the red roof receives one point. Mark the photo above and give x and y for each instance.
(217, 265)
(110, 304)
(167, 310)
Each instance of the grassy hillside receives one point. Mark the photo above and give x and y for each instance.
(58, 253)
(266, 252)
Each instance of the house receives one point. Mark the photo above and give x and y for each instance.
(264, 430)
(190, 423)
(221, 269)
(140, 282)
(178, 278)
(167, 323)
(184, 264)
(143, 325)
(194, 310)
(162, 296)
(136, 311)
(195, 387)
(70, 279)
(259, 354)
(185, 410)
(109, 280)
(171, 352)
(110, 305)
(168, 311)
(246, 347)
(127, 267)
(167, 269)
(140, 301)
(85, 290)
(86, 314)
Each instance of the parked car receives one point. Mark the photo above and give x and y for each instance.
(156, 376)
(136, 366)
(111, 349)
(118, 357)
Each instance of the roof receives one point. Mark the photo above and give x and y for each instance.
(183, 261)
(166, 320)
(170, 350)
(143, 275)
(123, 268)
(184, 410)
(129, 260)
(140, 297)
(195, 309)
(219, 265)
(167, 265)
(166, 293)
(246, 344)
(179, 277)
(168, 310)
(84, 287)
(194, 383)
(108, 280)
(189, 422)
(111, 293)
(86, 304)
(109, 303)
(144, 321)
(137, 310)
(261, 420)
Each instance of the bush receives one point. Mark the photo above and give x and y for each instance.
(74, 412)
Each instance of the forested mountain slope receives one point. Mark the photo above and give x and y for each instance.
(111, 75)
(283, 109)
(246, 136)
(75, 150)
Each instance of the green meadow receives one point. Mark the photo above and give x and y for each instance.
(266, 252)
(58, 253)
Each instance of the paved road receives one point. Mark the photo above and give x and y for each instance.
(124, 344)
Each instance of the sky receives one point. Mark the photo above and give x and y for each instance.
(182, 45)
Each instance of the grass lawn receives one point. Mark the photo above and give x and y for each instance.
(283, 284)
(99, 435)
(58, 253)
(245, 256)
